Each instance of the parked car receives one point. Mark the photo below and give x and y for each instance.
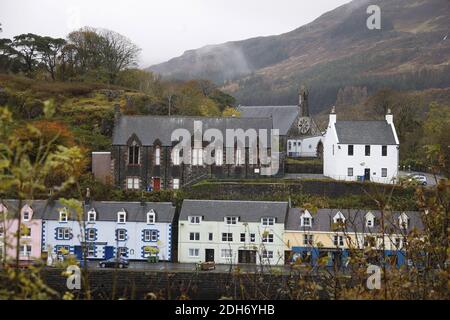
(114, 263)
(419, 178)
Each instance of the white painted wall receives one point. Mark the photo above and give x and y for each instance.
(305, 148)
(217, 228)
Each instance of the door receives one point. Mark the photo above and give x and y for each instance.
(209, 255)
(109, 252)
(156, 184)
(77, 250)
(367, 175)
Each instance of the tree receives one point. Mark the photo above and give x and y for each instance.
(27, 45)
(50, 50)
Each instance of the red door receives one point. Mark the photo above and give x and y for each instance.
(156, 184)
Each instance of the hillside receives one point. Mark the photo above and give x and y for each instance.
(410, 52)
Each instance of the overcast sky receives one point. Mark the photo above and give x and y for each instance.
(163, 28)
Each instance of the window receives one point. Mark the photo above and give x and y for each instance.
(194, 236)
(26, 216)
(91, 234)
(369, 241)
(25, 231)
(122, 251)
(267, 237)
(121, 217)
(219, 157)
(210, 236)
(231, 220)
(242, 237)
(384, 172)
(308, 239)
(197, 157)
(151, 217)
(195, 219)
(63, 234)
(63, 216)
(133, 154)
(306, 219)
(339, 218)
(228, 237)
(350, 150)
(150, 235)
(157, 156)
(397, 242)
(267, 254)
(384, 151)
(194, 252)
(403, 221)
(92, 216)
(367, 151)
(338, 241)
(350, 172)
(240, 157)
(133, 183)
(226, 253)
(268, 221)
(25, 250)
(333, 149)
(121, 234)
(91, 251)
(252, 237)
(176, 184)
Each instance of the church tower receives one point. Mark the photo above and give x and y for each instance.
(303, 101)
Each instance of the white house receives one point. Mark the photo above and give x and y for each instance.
(230, 232)
(134, 230)
(361, 150)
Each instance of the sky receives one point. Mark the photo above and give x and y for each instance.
(163, 29)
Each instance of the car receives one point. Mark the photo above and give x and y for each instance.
(114, 263)
(419, 178)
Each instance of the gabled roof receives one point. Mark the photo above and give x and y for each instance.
(149, 129)
(107, 211)
(365, 132)
(355, 220)
(36, 205)
(283, 117)
(247, 211)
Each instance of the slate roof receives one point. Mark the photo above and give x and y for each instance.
(282, 116)
(151, 128)
(247, 211)
(106, 211)
(36, 205)
(355, 220)
(365, 132)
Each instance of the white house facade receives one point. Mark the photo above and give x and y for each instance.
(135, 230)
(361, 150)
(231, 232)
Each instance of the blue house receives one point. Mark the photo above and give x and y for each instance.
(135, 230)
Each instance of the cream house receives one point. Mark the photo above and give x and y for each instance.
(231, 232)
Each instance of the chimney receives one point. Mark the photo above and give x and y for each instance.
(333, 117)
(389, 117)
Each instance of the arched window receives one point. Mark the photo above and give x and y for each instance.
(133, 153)
(157, 155)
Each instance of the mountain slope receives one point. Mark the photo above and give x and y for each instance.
(411, 51)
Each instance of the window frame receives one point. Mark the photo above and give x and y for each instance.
(351, 150)
(367, 150)
(350, 172)
(384, 151)
(227, 237)
(195, 252)
(121, 214)
(194, 236)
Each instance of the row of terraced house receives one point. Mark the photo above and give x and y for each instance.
(223, 231)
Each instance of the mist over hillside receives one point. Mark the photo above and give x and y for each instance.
(337, 50)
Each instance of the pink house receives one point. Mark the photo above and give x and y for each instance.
(31, 228)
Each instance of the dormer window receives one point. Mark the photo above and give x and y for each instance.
(306, 219)
(403, 221)
(121, 217)
(231, 220)
(63, 216)
(339, 218)
(133, 153)
(92, 216)
(195, 219)
(269, 221)
(370, 220)
(26, 215)
(151, 217)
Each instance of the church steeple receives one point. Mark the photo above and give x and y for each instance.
(303, 101)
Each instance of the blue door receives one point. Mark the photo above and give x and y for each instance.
(78, 252)
(109, 252)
